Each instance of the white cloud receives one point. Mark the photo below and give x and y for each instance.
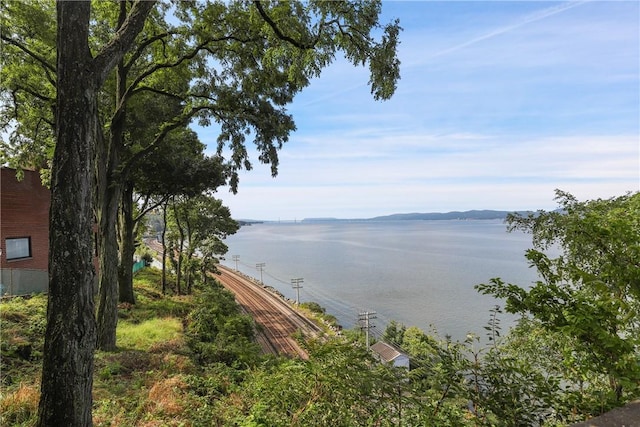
(373, 200)
(521, 175)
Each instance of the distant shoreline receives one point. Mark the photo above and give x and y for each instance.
(454, 215)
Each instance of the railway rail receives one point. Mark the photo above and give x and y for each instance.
(278, 320)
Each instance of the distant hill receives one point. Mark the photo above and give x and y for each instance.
(466, 215)
(473, 214)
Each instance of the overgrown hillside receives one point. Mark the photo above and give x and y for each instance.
(193, 361)
(163, 372)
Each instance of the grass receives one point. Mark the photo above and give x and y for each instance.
(143, 336)
(317, 313)
(157, 376)
(20, 407)
(152, 380)
(150, 302)
(22, 326)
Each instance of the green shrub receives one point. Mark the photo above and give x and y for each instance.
(219, 332)
(314, 307)
(147, 258)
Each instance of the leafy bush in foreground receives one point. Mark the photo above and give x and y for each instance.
(219, 332)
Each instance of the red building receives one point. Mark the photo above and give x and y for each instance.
(24, 233)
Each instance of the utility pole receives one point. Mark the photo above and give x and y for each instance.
(366, 316)
(260, 266)
(236, 258)
(296, 285)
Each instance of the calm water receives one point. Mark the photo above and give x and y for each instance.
(419, 273)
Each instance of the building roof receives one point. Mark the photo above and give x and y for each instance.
(628, 415)
(387, 352)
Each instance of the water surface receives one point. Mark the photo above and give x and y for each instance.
(419, 273)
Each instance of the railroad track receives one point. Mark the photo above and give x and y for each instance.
(278, 320)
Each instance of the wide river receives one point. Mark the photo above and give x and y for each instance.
(420, 273)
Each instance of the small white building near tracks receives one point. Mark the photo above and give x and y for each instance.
(387, 353)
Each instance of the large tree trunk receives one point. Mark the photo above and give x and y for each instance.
(164, 247)
(67, 369)
(108, 256)
(70, 336)
(110, 191)
(127, 246)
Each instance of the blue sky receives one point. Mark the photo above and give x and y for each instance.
(499, 103)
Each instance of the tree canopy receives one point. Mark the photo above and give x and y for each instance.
(589, 292)
(243, 61)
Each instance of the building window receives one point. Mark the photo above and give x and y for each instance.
(18, 248)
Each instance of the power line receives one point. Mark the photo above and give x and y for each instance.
(366, 317)
(295, 283)
(346, 311)
(284, 282)
(260, 266)
(337, 307)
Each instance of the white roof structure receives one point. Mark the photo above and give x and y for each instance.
(387, 353)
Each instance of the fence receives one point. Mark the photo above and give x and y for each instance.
(23, 281)
(26, 281)
(139, 265)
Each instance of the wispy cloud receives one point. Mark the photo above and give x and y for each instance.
(522, 21)
(521, 175)
(496, 108)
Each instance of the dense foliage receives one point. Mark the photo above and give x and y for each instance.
(219, 332)
(195, 230)
(586, 306)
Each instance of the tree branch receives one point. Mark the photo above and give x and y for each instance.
(178, 122)
(277, 31)
(157, 67)
(29, 52)
(32, 93)
(187, 56)
(158, 92)
(113, 52)
(147, 207)
(144, 44)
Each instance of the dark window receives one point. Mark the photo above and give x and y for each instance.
(18, 248)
